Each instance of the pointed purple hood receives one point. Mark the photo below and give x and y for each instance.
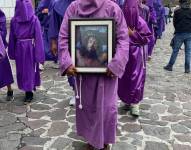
(23, 10)
(2, 16)
(131, 13)
(88, 7)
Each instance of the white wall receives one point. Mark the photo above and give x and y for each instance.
(8, 7)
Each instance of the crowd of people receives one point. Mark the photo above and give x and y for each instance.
(42, 34)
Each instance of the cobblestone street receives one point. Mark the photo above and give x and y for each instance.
(49, 122)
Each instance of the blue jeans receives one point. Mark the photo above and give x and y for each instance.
(178, 40)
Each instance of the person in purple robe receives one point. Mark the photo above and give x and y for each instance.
(26, 47)
(56, 18)
(152, 26)
(43, 12)
(6, 77)
(160, 13)
(96, 104)
(131, 85)
(145, 14)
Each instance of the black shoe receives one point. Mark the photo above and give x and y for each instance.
(168, 68)
(10, 96)
(28, 97)
(187, 71)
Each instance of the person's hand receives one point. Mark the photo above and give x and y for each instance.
(130, 31)
(54, 47)
(110, 73)
(45, 11)
(71, 71)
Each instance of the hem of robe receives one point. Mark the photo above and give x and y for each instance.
(6, 84)
(130, 102)
(28, 89)
(86, 137)
(132, 99)
(150, 48)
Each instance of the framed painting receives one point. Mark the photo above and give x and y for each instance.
(91, 44)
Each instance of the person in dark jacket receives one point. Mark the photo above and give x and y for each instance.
(182, 25)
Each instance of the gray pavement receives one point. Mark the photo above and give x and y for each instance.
(49, 122)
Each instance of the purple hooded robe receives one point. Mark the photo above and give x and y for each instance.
(26, 45)
(131, 85)
(97, 120)
(160, 13)
(45, 23)
(152, 23)
(6, 77)
(56, 18)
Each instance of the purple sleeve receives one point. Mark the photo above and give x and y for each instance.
(120, 59)
(142, 35)
(39, 47)
(12, 42)
(63, 53)
(2, 49)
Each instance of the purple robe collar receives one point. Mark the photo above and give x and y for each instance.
(23, 10)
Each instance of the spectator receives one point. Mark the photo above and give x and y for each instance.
(182, 25)
(167, 10)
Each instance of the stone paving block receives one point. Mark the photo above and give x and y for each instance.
(174, 110)
(159, 109)
(7, 119)
(37, 123)
(174, 118)
(187, 105)
(61, 143)
(183, 138)
(58, 114)
(123, 146)
(40, 107)
(131, 127)
(186, 123)
(178, 128)
(37, 115)
(58, 128)
(34, 141)
(160, 132)
(150, 145)
(153, 122)
(181, 147)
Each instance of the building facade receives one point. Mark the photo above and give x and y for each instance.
(8, 7)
